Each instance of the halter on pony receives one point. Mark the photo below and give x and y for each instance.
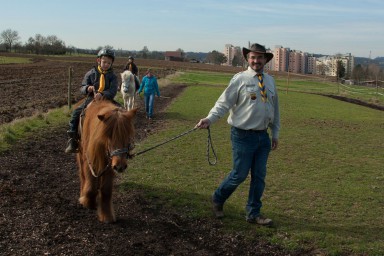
(116, 152)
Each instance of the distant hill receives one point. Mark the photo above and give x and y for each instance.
(366, 61)
(200, 56)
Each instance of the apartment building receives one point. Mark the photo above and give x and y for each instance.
(295, 61)
(327, 65)
(280, 58)
(311, 64)
(229, 52)
(295, 64)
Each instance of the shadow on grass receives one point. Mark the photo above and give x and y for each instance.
(188, 216)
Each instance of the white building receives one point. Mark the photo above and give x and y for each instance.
(327, 65)
(229, 52)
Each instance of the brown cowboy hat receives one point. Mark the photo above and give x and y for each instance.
(259, 49)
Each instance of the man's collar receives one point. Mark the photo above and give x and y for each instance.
(253, 72)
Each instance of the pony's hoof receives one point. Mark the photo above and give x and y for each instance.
(107, 220)
(87, 203)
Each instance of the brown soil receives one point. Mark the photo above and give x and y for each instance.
(39, 211)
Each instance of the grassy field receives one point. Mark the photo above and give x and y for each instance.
(19, 129)
(325, 183)
(363, 93)
(13, 60)
(307, 84)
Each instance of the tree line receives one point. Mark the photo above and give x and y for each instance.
(52, 45)
(39, 44)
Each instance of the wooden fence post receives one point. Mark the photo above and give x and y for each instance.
(70, 71)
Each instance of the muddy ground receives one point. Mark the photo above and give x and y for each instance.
(39, 185)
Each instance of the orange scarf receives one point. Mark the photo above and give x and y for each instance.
(102, 79)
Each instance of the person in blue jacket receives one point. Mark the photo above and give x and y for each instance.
(151, 88)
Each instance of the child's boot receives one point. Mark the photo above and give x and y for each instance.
(72, 144)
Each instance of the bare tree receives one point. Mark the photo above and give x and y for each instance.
(373, 71)
(322, 69)
(10, 37)
(45, 45)
(216, 57)
(144, 53)
(238, 57)
(358, 73)
(182, 53)
(110, 47)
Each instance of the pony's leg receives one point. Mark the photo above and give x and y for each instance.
(125, 102)
(105, 211)
(89, 190)
(80, 164)
(130, 103)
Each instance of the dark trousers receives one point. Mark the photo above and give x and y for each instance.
(75, 117)
(137, 83)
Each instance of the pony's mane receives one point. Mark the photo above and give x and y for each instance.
(115, 128)
(125, 75)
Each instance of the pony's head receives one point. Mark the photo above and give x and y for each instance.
(114, 135)
(127, 76)
(128, 84)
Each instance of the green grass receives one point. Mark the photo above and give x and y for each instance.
(363, 93)
(206, 78)
(17, 130)
(324, 184)
(13, 60)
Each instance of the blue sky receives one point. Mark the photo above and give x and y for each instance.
(322, 26)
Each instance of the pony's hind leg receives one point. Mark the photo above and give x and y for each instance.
(105, 211)
(125, 103)
(130, 103)
(80, 166)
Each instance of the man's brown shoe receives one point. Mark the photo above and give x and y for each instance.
(217, 209)
(260, 220)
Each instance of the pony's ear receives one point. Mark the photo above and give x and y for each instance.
(132, 112)
(101, 117)
(104, 115)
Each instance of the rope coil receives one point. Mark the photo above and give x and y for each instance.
(209, 145)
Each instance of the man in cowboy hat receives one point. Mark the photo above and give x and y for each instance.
(252, 102)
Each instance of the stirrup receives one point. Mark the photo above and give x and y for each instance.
(72, 146)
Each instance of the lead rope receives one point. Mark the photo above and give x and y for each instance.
(209, 145)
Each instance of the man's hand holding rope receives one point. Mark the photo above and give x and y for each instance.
(203, 123)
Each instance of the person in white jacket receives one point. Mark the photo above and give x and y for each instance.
(252, 102)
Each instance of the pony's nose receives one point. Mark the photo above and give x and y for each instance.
(119, 168)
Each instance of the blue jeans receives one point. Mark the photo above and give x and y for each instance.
(250, 152)
(149, 101)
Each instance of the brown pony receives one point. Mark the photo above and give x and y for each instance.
(107, 135)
